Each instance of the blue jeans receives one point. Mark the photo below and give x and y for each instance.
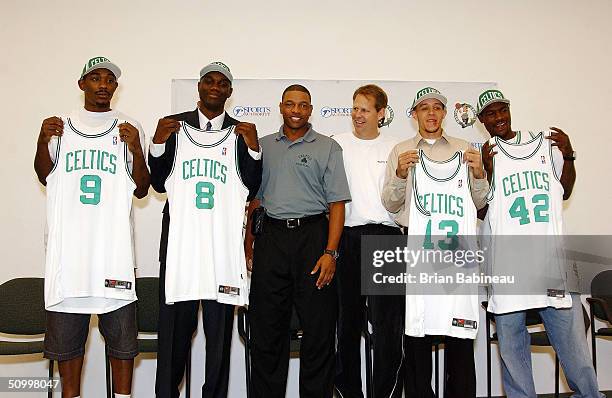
(565, 329)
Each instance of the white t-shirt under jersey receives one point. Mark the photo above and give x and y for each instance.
(97, 119)
(365, 162)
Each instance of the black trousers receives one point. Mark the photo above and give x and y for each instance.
(177, 324)
(460, 367)
(386, 316)
(281, 278)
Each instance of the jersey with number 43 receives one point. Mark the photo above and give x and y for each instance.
(89, 263)
(205, 259)
(442, 220)
(525, 219)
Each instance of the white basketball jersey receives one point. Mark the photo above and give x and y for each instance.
(89, 264)
(525, 220)
(207, 198)
(442, 219)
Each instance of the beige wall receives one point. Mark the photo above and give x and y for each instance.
(549, 57)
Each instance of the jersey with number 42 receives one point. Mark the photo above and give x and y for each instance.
(205, 259)
(526, 224)
(89, 263)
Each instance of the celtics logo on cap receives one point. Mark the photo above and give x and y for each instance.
(488, 97)
(221, 64)
(465, 115)
(94, 61)
(422, 92)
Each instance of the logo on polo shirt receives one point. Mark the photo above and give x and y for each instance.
(465, 115)
(304, 160)
(328, 111)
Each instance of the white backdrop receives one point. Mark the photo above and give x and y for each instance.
(256, 101)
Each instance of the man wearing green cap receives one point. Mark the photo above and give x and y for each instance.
(429, 110)
(92, 163)
(564, 326)
(179, 321)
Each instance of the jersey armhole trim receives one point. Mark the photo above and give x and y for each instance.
(125, 158)
(552, 162)
(57, 152)
(176, 145)
(415, 196)
(469, 179)
(489, 196)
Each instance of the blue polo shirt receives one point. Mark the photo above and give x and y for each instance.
(300, 178)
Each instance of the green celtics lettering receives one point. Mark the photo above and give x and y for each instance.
(441, 203)
(91, 159)
(525, 180)
(204, 168)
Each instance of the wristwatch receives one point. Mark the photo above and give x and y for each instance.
(333, 253)
(571, 157)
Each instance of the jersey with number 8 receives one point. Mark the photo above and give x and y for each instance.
(206, 195)
(89, 202)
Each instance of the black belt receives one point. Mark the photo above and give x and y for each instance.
(291, 223)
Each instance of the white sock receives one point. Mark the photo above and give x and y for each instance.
(122, 396)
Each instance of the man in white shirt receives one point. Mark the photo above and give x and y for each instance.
(365, 153)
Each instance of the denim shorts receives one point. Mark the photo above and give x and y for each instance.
(67, 333)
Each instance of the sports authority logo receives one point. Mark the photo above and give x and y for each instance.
(389, 115)
(409, 113)
(328, 111)
(465, 114)
(243, 111)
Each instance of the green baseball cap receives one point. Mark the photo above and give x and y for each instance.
(217, 67)
(489, 97)
(427, 93)
(100, 63)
